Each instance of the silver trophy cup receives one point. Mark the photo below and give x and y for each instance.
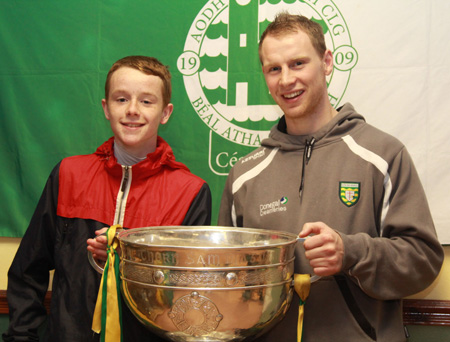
(207, 283)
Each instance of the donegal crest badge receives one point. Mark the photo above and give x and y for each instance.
(349, 192)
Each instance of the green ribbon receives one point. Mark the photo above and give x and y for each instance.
(107, 319)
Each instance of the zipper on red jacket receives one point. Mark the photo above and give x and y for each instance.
(121, 202)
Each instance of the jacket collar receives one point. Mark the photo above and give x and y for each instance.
(162, 157)
(345, 120)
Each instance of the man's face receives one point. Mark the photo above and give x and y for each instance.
(135, 109)
(296, 75)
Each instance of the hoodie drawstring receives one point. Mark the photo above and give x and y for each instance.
(306, 157)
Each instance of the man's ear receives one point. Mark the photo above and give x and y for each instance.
(328, 62)
(167, 112)
(105, 109)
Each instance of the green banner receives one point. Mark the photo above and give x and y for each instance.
(53, 64)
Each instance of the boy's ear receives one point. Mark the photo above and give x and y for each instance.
(167, 112)
(105, 108)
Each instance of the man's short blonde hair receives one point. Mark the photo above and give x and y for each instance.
(286, 23)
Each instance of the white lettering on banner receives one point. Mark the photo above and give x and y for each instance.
(214, 121)
(230, 161)
(202, 109)
(205, 17)
(241, 137)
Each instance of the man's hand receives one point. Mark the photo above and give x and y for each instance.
(324, 249)
(97, 246)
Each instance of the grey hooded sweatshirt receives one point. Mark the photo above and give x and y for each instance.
(361, 182)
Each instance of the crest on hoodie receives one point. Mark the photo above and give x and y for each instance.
(222, 72)
(349, 192)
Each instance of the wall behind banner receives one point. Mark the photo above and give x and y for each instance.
(55, 56)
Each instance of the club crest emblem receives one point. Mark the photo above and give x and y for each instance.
(222, 74)
(349, 192)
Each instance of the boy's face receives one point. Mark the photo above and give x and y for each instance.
(135, 109)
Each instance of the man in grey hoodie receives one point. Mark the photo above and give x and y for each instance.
(327, 174)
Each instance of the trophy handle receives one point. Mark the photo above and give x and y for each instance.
(92, 261)
(314, 277)
(94, 264)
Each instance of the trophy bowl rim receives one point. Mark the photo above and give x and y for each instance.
(290, 238)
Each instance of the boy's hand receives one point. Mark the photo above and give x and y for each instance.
(97, 246)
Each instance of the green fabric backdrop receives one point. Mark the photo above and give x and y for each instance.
(54, 56)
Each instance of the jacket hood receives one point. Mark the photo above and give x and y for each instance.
(346, 119)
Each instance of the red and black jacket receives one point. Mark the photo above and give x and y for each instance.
(84, 194)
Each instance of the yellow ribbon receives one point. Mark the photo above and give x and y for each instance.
(108, 312)
(302, 285)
